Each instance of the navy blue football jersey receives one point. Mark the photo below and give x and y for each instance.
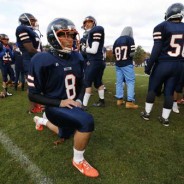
(6, 54)
(55, 77)
(25, 34)
(168, 42)
(122, 47)
(96, 34)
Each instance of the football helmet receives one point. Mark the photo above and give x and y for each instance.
(175, 11)
(28, 20)
(4, 37)
(90, 18)
(62, 35)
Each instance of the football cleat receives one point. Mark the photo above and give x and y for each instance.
(85, 168)
(85, 108)
(35, 110)
(100, 103)
(145, 116)
(163, 121)
(175, 108)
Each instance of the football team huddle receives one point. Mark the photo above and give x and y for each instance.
(60, 79)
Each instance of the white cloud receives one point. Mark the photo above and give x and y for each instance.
(114, 15)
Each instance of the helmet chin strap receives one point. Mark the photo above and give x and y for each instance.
(60, 53)
(65, 50)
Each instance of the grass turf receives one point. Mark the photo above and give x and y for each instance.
(124, 148)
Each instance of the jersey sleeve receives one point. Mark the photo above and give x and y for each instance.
(132, 47)
(97, 34)
(22, 34)
(36, 84)
(35, 76)
(157, 47)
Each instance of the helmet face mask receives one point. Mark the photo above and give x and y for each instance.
(28, 20)
(89, 19)
(62, 35)
(175, 11)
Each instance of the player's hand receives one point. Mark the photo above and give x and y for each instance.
(68, 103)
(83, 47)
(148, 72)
(79, 104)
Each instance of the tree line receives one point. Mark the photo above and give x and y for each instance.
(139, 57)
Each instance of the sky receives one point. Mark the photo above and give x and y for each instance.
(113, 15)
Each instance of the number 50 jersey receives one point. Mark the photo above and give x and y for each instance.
(169, 36)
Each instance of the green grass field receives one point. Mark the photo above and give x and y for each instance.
(124, 148)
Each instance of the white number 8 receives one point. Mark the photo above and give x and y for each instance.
(70, 86)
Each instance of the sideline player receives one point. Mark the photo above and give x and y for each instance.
(56, 81)
(166, 60)
(95, 63)
(29, 43)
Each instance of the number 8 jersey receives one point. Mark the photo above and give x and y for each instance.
(55, 77)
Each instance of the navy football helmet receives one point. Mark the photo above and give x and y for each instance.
(28, 20)
(4, 37)
(175, 11)
(89, 18)
(62, 35)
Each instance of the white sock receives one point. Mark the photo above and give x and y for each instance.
(42, 121)
(86, 99)
(101, 93)
(44, 116)
(175, 105)
(166, 113)
(78, 156)
(148, 107)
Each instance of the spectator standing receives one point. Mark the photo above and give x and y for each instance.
(123, 50)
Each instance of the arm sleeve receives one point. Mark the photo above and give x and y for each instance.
(36, 84)
(81, 86)
(38, 98)
(93, 49)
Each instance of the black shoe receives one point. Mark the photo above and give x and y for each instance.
(163, 121)
(84, 108)
(100, 103)
(145, 116)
